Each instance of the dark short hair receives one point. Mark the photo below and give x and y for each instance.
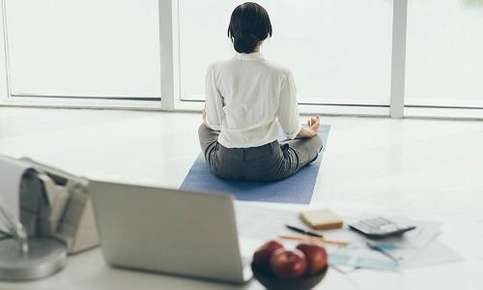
(249, 24)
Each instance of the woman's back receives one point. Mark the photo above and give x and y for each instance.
(248, 100)
(250, 94)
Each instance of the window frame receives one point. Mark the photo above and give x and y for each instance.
(164, 102)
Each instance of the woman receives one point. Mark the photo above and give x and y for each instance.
(247, 100)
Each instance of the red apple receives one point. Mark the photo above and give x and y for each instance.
(288, 264)
(316, 257)
(262, 256)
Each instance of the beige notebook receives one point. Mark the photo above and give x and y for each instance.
(321, 219)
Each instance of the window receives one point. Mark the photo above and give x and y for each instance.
(339, 51)
(84, 48)
(370, 57)
(445, 53)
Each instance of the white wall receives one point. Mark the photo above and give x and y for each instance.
(90, 48)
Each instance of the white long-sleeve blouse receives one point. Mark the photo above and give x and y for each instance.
(248, 99)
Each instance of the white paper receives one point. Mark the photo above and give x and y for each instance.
(417, 248)
(424, 234)
(435, 253)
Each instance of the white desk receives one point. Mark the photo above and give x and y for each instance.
(88, 271)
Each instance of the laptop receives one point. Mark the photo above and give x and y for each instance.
(169, 231)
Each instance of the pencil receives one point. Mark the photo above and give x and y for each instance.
(314, 239)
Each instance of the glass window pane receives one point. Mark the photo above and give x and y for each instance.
(445, 53)
(3, 72)
(84, 47)
(338, 50)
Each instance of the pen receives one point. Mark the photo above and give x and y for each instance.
(382, 251)
(304, 232)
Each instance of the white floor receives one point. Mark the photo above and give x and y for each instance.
(427, 168)
(369, 162)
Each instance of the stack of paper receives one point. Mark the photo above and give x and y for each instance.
(417, 248)
(414, 249)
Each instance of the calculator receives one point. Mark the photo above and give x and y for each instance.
(379, 228)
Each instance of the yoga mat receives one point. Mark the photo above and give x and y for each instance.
(295, 189)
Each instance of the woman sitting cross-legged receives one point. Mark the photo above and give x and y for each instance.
(247, 100)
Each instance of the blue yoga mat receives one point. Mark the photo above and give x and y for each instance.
(295, 189)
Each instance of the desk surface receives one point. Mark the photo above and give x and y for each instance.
(89, 271)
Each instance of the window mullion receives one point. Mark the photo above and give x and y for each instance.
(398, 63)
(166, 54)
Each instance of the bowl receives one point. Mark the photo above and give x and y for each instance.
(271, 282)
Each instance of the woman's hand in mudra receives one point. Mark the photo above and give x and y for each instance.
(313, 126)
(314, 123)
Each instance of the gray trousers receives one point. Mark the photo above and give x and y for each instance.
(268, 162)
